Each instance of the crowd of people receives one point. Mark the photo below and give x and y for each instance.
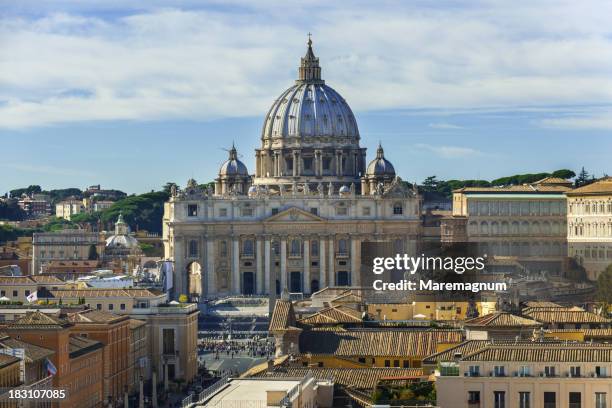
(252, 347)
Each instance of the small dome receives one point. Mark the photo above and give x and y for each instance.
(232, 166)
(380, 166)
(121, 241)
(344, 190)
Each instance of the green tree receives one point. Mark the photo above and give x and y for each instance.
(583, 178)
(430, 184)
(563, 173)
(604, 289)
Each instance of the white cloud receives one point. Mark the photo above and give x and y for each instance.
(600, 121)
(445, 126)
(449, 152)
(225, 61)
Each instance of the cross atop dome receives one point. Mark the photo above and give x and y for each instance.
(309, 70)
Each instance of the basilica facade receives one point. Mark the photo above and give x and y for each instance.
(300, 221)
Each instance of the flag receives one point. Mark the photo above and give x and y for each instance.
(51, 370)
(32, 297)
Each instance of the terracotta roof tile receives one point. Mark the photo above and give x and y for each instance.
(417, 343)
(545, 352)
(501, 319)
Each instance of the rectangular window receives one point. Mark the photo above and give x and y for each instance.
(524, 400)
(525, 371)
(99, 306)
(396, 363)
(499, 399)
(398, 209)
(601, 371)
(314, 248)
(247, 212)
(406, 364)
(307, 163)
(365, 211)
(122, 306)
(192, 210)
(474, 397)
(362, 360)
(499, 371)
(223, 212)
(387, 363)
(575, 400)
(274, 211)
(111, 306)
(550, 400)
(314, 210)
(601, 400)
(575, 371)
(474, 371)
(341, 211)
(326, 163)
(549, 371)
(15, 293)
(168, 341)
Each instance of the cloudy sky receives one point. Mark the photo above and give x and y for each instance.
(132, 96)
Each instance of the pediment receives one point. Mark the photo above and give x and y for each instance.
(294, 214)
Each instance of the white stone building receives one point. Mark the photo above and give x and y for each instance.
(300, 221)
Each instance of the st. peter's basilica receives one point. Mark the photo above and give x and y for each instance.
(299, 222)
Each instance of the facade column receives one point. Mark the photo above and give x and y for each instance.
(211, 279)
(306, 258)
(296, 167)
(322, 262)
(259, 267)
(267, 273)
(257, 164)
(283, 263)
(236, 266)
(355, 262)
(332, 263)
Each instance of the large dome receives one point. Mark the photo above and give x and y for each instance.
(310, 108)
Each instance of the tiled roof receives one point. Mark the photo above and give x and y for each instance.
(501, 319)
(349, 297)
(89, 293)
(361, 378)
(333, 315)
(135, 323)
(6, 360)
(16, 280)
(32, 351)
(520, 189)
(565, 316)
(465, 348)
(283, 315)
(538, 304)
(597, 334)
(38, 320)
(603, 186)
(46, 279)
(95, 316)
(376, 342)
(79, 345)
(545, 352)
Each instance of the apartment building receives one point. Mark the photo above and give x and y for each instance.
(78, 360)
(72, 244)
(589, 226)
(549, 375)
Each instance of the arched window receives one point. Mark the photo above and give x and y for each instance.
(193, 248)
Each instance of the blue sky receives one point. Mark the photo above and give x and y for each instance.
(131, 96)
